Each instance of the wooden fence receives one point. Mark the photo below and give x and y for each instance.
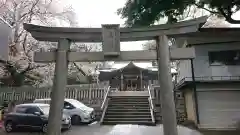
(88, 95)
(91, 96)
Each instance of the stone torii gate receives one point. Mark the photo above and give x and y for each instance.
(111, 36)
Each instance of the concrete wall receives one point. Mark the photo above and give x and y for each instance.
(184, 69)
(201, 62)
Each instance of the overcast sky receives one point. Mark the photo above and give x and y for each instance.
(93, 13)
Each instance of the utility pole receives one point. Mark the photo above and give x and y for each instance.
(166, 87)
(59, 86)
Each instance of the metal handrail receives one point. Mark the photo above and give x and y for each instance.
(105, 98)
(150, 97)
(104, 111)
(151, 104)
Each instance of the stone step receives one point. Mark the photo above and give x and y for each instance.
(131, 99)
(128, 110)
(127, 119)
(133, 105)
(125, 108)
(127, 116)
(128, 106)
(116, 100)
(148, 123)
(128, 113)
(129, 102)
(134, 101)
(114, 109)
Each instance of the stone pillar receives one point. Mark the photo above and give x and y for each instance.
(166, 92)
(58, 91)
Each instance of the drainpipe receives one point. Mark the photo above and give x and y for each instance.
(194, 91)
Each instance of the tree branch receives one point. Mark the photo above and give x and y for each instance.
(232, 21)
(79, 69)
(30, 67)
(228, 16)
(202, 7)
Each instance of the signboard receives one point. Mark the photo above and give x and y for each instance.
(111, 40)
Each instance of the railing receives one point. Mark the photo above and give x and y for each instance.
(105, 98)
(150, 99)
(104, 104)
(104, 110)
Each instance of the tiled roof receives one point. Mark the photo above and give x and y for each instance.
(143, 65)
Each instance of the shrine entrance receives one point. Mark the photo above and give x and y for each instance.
(132, 84)
(131, 77)
(111, 36)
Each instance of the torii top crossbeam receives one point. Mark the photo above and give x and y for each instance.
(54, 34)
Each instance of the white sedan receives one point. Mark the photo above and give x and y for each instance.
(79, 112)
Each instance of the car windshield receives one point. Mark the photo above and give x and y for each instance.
(77, 104)
(45, 109)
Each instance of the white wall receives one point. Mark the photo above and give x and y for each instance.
(202, 68)
(184, 69)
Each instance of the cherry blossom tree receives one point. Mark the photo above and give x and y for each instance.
(20, 69)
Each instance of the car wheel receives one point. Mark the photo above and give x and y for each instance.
(44, 128)
(75, 120)
(9, 126)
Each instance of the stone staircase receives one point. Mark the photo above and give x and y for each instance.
(128, 110)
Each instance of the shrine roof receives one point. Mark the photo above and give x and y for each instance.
(124, 65)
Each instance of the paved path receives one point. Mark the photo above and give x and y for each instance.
(96, 129)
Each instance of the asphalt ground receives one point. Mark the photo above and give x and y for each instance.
(96, 129)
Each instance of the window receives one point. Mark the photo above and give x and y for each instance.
(230, 57)
(20, 109)
(32, 110)
(68, 105)
(77, 104)
(45, 109)
(154, 63)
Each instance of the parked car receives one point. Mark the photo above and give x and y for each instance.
(33, 116)
(79, 112)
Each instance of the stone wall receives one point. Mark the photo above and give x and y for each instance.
(179, 102)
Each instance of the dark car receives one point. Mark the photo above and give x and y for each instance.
(34, 116)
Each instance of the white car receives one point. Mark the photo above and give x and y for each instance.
(79, 112)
